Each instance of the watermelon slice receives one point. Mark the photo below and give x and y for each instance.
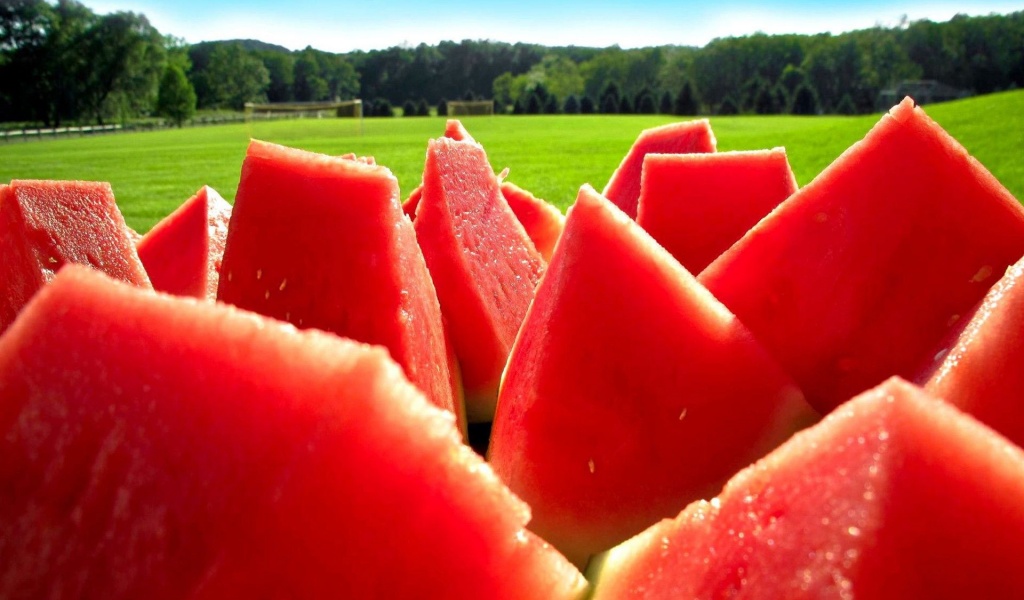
(453, 130)
(979, 369)
(482, 262)
(860, 274)
(894, 495)
(542, 221)
(46, 224)
(698, 205)
(152, 446)
(684, 137)
(630, 390)
(321, 241)
(183, 252)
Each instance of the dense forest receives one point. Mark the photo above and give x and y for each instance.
(61, 63)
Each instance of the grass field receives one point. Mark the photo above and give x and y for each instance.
(152, 172)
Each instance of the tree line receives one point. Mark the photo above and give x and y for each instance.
(60, 62)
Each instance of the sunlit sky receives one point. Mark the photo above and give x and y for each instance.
(340, 26)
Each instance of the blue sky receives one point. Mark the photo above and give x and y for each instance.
(342, 26)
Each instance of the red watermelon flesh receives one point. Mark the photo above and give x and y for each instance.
(183, 252)
(160, 447)
(484, 265)
(979, 369)
(860, 274)
(46, 224)
(894, 495)
(320, 241)
(367, 160)
(675, 138)
(453, 130)
(410, 204)
(698, 205)
(630, 391)
(542, 221)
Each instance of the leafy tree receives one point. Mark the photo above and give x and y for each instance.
(587, 105)
(665, 105)
(685, 104)
(846, 106)
(308, 84)
(781, 97)
(834, 67)
(42, 64)
(728, 107)
(571, 105)
(551, 105)
(805, 101)
(609, 105)
(610, 98)
(765, 101)
(533, 104)
(126, 63)
(236, 76)
(625, 106)
(382, 108)
(558, 74)
(281, 70)
(645, 103)
(791, 78)
(177, 98)
(517, 108)
(422, 108)
(408, 108)
(501, 89)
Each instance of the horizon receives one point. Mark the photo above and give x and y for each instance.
(352, 28)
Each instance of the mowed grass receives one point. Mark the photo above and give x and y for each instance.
(153, 172)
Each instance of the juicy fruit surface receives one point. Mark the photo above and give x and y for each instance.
(483, 264)
(978, 370)
(194, 450)
(698, 205)
(623, 188)
(894, 495)
(183, 252)
(542, 221)
(163, 447)
(861, 273)
(618, 412)
(47, 224)
(321, 241)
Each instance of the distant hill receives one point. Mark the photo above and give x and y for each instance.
(250, 45)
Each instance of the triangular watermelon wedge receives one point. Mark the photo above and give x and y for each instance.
(453, 130)
(894, 495)
(698, 205)
(183, 252)
(860, 274)
(321, 241)
(47, 224)
(542, 220)
(684, 137)
(484, 265)
(630, 390)
(979, 368)
(153, 446)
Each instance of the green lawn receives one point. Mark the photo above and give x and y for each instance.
(153, 172)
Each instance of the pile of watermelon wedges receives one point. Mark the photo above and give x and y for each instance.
(700, 382)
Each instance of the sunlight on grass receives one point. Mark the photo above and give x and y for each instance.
(153, 172)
